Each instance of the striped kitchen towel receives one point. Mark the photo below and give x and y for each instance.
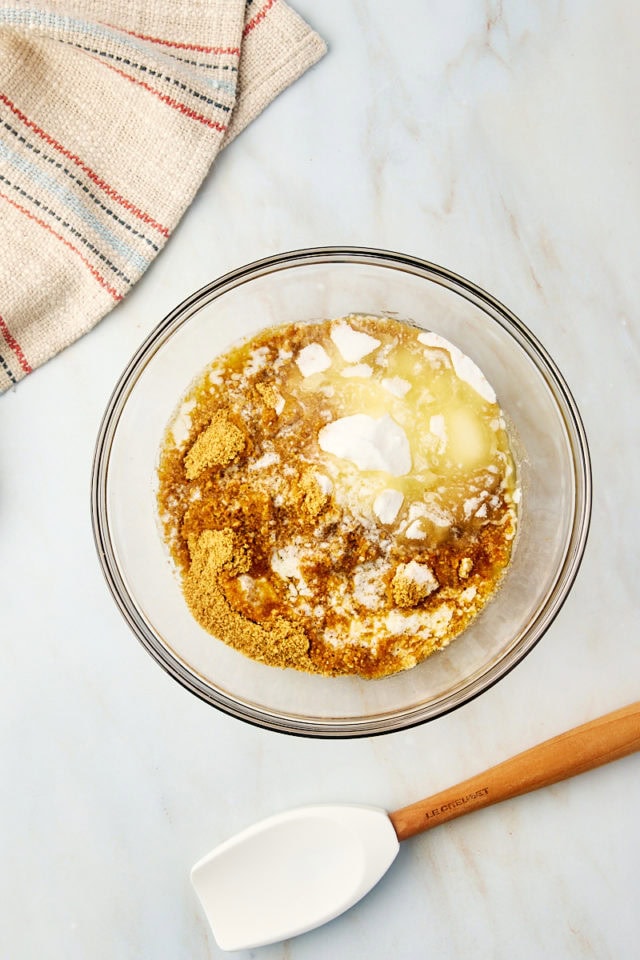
(111, 113)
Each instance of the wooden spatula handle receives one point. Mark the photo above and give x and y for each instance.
(600, 741)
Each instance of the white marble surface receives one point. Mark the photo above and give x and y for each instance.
(499, 139)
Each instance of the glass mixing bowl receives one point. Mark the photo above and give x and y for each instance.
(304, 285)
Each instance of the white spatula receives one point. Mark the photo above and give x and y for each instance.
(296, 870)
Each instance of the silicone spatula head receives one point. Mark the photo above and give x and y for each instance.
(293, 872)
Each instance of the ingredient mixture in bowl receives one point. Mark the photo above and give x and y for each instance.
(339, 497)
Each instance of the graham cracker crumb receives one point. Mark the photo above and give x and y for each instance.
(280, 644)
(269, 394)
(312, 497)
(218, 445)
(407, 590)
(223, 551)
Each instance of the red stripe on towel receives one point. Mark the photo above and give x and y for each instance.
(258, 17)
(83, 166)
(188, 112)
(13, 344)
(177, 45)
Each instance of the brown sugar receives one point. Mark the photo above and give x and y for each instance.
(216, 446)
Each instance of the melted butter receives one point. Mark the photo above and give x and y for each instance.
(450, 428)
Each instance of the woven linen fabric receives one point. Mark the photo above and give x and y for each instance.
(111, 113)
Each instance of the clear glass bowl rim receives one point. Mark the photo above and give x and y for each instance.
(370, 726)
